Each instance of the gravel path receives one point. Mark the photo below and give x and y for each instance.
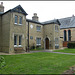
(51, 52)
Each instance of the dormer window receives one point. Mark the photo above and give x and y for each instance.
(20, 20)
(38, 28)
(16, 19)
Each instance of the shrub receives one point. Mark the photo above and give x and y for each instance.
(2, 62)
(71, 45)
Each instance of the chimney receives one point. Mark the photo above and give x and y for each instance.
(2, 3)
(1, 7)
(35, 17)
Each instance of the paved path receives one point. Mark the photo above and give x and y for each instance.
(49, 51)
(52, 52)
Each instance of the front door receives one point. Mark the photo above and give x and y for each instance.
(47, 43)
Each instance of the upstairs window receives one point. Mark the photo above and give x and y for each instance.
(38, 28)
(16, 19)
(20, 20)
(20, 40)
(38, 41)
(56, 28)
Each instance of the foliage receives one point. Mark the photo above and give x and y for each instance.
(2, 62)
(71, 45)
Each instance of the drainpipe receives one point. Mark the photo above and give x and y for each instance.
(28, 37)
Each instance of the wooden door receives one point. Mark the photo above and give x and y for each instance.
(47, 43)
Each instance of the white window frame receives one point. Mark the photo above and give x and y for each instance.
(16, 41)
(40, 28)
(36, 42)
(21, 40)
(17, 20)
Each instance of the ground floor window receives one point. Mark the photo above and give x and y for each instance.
(38, 41)
(20, 39)
(56, 43)
(15, 40)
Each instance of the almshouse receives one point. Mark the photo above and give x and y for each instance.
(18, 33)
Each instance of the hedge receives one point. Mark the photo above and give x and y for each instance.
(71, 45)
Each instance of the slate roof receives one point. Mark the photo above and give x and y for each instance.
(14, 10)
(55, 21)
(29, 20)
(68, 22)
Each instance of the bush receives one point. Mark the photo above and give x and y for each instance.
(2, 62)
(71, 45)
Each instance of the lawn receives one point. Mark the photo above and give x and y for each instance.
(37, 63)
(66, 50)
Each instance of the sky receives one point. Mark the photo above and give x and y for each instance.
(46, 10)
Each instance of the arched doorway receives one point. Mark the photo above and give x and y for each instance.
(47, 43)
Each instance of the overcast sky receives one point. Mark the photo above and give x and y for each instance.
(46, 10)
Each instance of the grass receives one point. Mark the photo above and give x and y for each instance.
(37, 63)
(66, 50)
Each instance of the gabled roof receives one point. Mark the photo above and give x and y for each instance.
(28, 20)
(18, 9)
(68, 22)
(55, 21)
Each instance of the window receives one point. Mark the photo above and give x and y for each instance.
(56, 28)
(38, 41)
(38, 28)
(31, 37)
(56, 41)
(65, 37)
(16, 19)
(20, 20)
(69, 35)
(15, 40)
(20, 39)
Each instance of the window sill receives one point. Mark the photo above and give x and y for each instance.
(20, 46)
(56, 44)
(38, 44)
(16, 23)
(38, 30)
(15, 45)
(19, 24)
(56, 31)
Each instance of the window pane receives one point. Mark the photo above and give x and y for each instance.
(65, 36)
(38, 41)
(15, 40)
(16, 19)
(20, 40)
(20, 20)
(38, 28)
(31, 37)
(69, 35)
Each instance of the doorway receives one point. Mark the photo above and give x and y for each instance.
(47, 43)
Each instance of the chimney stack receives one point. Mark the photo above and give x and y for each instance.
(2, 3)
(1, 7)
(35, 17)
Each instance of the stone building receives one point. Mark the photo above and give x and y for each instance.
(67, 30)
(18, 33)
